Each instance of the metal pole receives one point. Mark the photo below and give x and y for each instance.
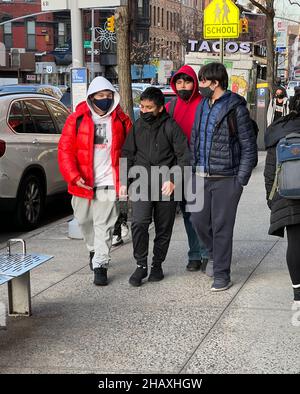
(93, 45)
(77, 36)
(222, 50)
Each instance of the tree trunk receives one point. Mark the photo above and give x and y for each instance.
(123, 59)
(270, 50)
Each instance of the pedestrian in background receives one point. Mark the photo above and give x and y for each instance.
(88, 156)
(183, 109)
(285, 213)
(224, 152)
(279, 106)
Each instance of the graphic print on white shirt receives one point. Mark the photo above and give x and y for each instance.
(101, 139)
(102, 153)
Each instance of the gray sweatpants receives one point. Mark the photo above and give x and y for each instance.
(96, 219)
(215, 222)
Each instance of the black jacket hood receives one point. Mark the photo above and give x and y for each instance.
(280, 129)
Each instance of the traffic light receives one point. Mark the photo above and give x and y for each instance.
(244, 28)
(110, 24)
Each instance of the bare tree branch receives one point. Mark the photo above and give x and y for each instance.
(259, 6)
(294, 3)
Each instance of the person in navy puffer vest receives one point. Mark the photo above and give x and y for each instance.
(224, 152)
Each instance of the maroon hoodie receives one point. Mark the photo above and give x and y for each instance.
(185, 111)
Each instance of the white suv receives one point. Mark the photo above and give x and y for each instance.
(30, 128)
(290, 90)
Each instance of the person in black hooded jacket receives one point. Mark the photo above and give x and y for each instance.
(155, 140)
(285, 213)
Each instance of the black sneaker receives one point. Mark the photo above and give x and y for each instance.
(296, 293)
(194, 265)
(91, 258)
(100, 276)
(156, 274)
(140, 273)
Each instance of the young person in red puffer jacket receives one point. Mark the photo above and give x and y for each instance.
(88, 156)
(183, 110)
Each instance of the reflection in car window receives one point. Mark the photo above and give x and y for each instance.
(51, 91)
(41, 117)
(59, 113)
(15, 119)
(28, 122)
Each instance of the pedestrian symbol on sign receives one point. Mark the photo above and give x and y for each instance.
(221, 20)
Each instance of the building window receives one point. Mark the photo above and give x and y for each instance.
(162, 17)
(154, 16)
(61, 34)
(7, 31)
(171, 21)
(141, 37)
(31, 35)
(141, 7)
(158, 16)
(167, 20)
(150, 15)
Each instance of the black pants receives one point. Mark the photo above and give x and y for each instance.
(293, 253)
(122, 218)
(214, 223)
(164, 215)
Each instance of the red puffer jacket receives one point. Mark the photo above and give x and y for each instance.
(76, 149)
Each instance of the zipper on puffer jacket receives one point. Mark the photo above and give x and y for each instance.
(205, 132)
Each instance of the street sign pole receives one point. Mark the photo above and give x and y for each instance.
(222, 50)
(76, 31)
(92, 75)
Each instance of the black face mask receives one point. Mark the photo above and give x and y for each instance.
(206, 92)
(103, 104)
(148, 117)
(280, 96)
(185, 94)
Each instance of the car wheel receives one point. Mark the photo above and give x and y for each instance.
(30, 203)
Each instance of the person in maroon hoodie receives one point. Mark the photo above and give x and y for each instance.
(183, 109)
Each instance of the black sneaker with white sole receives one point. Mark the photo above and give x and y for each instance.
(220, 284)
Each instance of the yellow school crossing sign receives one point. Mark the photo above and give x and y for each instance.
(221, 20)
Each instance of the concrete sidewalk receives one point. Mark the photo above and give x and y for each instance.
(174, 326)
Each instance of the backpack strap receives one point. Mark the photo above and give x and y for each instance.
(78, 123)
(121, 115)
(172, 107)
(275, 183)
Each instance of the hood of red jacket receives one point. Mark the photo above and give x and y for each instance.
(191, 73)
(185, 111)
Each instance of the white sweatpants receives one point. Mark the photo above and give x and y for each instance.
(96, 219)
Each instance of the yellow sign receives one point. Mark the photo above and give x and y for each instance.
(221, 20)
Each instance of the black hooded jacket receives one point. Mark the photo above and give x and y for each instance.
(284, 212)
(161, 143)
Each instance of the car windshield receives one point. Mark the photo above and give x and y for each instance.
(293, 84)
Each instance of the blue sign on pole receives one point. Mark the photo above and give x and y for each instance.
(79, 75)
